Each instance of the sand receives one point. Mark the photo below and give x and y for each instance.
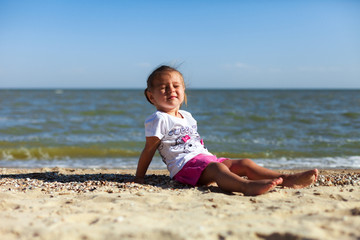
(63, 203)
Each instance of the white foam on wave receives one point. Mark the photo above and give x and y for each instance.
(297, 163)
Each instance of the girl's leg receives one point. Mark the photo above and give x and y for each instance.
(228, 181)
(246, 167)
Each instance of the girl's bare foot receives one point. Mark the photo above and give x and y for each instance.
(258, 187)
(300, 180)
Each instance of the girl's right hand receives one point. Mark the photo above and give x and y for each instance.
(139, 180)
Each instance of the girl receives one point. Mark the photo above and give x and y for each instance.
(173, 132)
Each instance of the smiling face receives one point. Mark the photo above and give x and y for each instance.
(167, 92)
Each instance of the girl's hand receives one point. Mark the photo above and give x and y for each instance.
(139, 180)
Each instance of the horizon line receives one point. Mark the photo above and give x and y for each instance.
(137, 89)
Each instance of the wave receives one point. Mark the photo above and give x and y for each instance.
(10, 151)
(79, 156)
(53, 153)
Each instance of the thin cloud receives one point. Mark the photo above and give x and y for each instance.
(242, 65)
(319, 69)
(275, 70)
(237, 65)
(144, 64)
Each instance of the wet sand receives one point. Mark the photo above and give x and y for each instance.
(59, 203)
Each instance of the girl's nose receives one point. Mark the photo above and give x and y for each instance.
(171, 89)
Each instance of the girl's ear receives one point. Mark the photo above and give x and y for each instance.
(149, 96)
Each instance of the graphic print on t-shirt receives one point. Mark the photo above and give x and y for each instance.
(186, 143)
(186, 140)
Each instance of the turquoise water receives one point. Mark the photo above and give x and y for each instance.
(104, 128)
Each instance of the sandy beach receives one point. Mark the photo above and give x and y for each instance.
(59, 203)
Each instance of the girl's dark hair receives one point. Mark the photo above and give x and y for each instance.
(152, 77)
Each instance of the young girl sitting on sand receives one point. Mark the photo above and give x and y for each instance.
(173, 132)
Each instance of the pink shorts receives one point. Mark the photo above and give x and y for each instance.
(192, 170)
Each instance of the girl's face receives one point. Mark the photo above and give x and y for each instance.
(167, 92)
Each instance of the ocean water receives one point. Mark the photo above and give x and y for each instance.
(105, 128)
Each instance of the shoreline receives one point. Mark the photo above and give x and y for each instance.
(69, 203)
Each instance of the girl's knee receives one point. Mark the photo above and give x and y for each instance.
(240, 166)
(247, 162)
(217, 167)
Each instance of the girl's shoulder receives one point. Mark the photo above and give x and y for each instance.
(155, 115)
(185, 114)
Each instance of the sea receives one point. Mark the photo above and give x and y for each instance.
(278, 129)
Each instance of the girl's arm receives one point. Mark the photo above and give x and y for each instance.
(146, 156)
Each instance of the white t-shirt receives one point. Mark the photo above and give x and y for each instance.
(180, 141)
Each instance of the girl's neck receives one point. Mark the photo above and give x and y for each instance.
(174, 113)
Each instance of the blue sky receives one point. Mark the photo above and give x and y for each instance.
(216, 44)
